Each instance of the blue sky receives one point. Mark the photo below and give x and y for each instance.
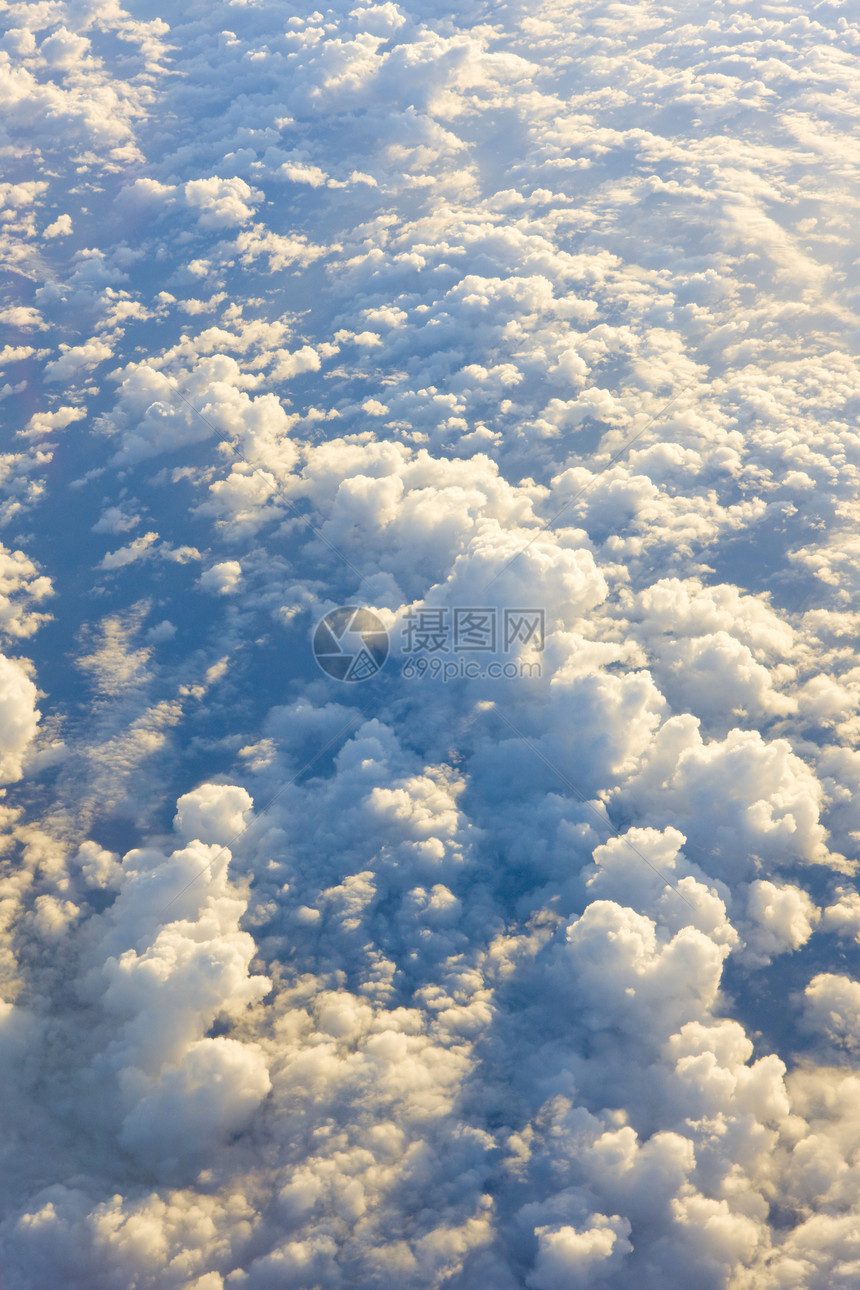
(439, 978)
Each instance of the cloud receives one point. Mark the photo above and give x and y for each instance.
(60, 227)
(213, 812)
(22, 587)
(222, 578)
(77, 359)
(115, 520)
(212, 1094)
(20, 718)
(42, 423)
(22, 316)
(151, 417)
(222, 203)
(145, 195)
(279, 249)
(785, 917)
(570, 1258)
(124, 555)
(832, 1008)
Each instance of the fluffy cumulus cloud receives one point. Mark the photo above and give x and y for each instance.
(221, 202)
(503, 362)
(568, 1258)
(20, 716)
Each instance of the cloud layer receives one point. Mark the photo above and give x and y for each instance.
(539, 981)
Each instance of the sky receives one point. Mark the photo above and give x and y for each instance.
(429, 593)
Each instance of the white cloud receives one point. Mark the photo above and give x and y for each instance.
(76, 359)
(20, 718)
(22, 587)
(280, 250)
(568, 1258)
(832, 1008)
(124, 555)
(785, 917)
(60, 227)
(380, 19)
(43, 423)
(213, 812)
(223, 578)
(146, 194)
(209, 1096)
(300, 173)
(22, 316)
(114, 519)
(222, 203)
